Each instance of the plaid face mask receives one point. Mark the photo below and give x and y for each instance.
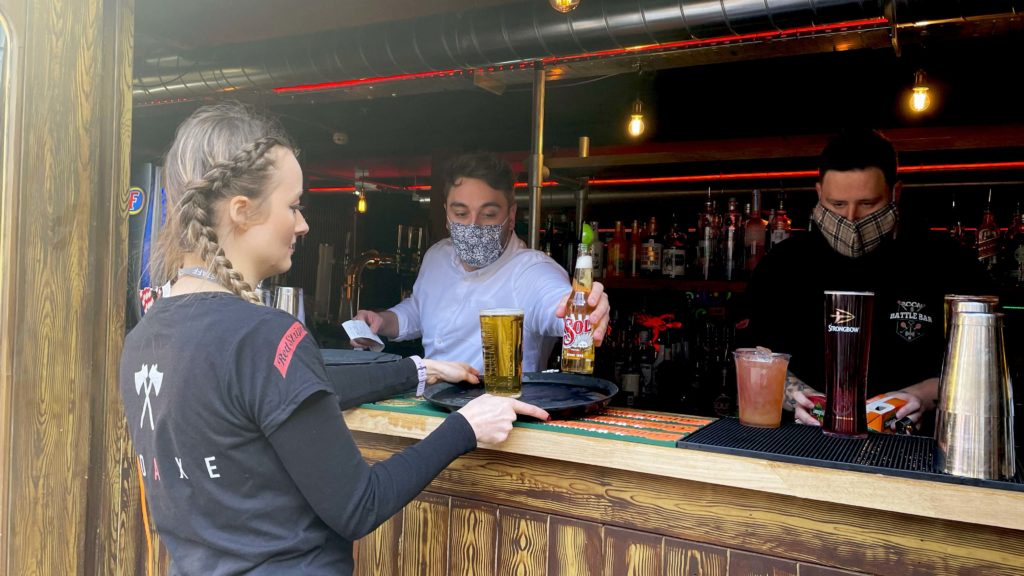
(855, 239)
(477, 245)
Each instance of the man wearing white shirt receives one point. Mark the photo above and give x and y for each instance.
(483, 265)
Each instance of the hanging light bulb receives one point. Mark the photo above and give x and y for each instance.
(361, 203)
(636, 125)
(564, 6)
(920, 100)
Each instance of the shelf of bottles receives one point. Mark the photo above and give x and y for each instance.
(717, 255)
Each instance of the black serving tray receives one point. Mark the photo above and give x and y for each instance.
(562, 395)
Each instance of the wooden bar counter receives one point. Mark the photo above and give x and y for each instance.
(551, 503)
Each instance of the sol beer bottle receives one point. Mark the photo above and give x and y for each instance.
(577, 339)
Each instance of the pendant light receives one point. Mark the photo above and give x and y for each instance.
(564, 6)
(920, 100)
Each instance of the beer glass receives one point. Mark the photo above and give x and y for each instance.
(761, 383)
(501, 330)
(847, 349)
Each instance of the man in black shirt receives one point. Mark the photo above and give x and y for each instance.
(857, 244)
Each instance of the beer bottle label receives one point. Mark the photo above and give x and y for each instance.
(578, 331)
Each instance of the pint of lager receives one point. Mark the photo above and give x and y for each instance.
(501, 330)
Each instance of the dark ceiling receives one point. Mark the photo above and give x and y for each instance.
(733, 93)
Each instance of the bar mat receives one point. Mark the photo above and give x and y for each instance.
(892, 454)
(623, 424)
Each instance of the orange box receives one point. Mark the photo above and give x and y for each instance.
(881, 412)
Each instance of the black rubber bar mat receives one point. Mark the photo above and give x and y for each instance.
(892, 454)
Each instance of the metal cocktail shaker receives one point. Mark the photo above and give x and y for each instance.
(289, 299)
(974, 420)
(954, 303)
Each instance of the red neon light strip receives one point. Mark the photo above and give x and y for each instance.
(703, 177)
(720, 40)
(599, 54)
(545, 183)
(332, 189)
(371, 80)
(978, 166)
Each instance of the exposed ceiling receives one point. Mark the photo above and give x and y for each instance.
(766, 87)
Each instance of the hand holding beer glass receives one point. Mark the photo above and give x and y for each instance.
(501, 330)
(761, 382)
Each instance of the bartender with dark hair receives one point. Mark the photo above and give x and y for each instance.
(857, 242)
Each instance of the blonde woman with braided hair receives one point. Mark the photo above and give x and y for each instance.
(247, 465)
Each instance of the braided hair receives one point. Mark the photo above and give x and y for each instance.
(220, 151)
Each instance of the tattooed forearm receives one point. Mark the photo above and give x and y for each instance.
(794, 384)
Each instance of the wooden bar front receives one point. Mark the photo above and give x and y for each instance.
(551, 503)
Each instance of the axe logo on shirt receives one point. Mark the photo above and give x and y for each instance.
(910, 322)
(148, 381)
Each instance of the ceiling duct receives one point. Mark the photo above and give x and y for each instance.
(504, 34)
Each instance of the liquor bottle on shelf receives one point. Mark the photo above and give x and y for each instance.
(646, 356)
(1012, 251)
(732, 241)
(673, 252)
(650, 250)
(988, 236)
(597, 251)
(617, 250)
(634, 250)
(956, 227)
(708, 235)
(577, 336)
(753, 234)
(780, 226)
(768, 229)
(630, 389)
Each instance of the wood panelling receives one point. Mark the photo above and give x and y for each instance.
(747, 564)
(379, 551)
(812, 570)
(473, 540)
(69, 472)
(575, 548)
(522, 542)
(631, 552)
(748, 520)
(425, 536)
(689, 559)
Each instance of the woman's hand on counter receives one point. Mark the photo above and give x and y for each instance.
(492, 416)
(444, 371)
(599, 317)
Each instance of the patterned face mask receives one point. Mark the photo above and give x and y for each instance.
(855, 239)
(477, 245)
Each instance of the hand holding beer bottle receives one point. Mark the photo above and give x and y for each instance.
(595, 299)
(577, 338)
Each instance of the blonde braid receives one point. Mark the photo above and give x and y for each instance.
(198, 232)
